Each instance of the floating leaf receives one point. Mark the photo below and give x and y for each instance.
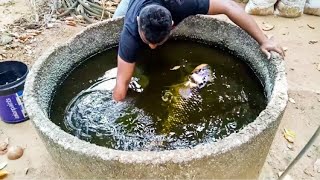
(175, 68)
(292, 100)
(289, 135)
(3, 173)
(3, 165)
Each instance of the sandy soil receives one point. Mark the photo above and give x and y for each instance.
(303, 116)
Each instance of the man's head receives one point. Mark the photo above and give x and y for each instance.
(155, 24)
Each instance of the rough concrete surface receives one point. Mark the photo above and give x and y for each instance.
(231, 157)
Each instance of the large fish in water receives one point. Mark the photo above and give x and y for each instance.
(92, 114)
(184, 99)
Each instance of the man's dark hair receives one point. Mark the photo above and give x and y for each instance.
(155, 23)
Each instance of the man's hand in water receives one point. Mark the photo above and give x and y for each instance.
(124, 74)
(271, 45)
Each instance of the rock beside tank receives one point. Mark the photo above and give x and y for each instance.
(312, 7)
(290, 8)
(260, 7)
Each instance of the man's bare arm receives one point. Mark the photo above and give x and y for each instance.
(246, 22)
(125, 72)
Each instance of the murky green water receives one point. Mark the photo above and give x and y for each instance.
(146, 122)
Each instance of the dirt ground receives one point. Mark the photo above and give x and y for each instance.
(302, 116)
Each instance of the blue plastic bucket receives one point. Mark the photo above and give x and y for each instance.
(12, 77)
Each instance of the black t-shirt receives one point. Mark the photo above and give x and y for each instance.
(130, 41)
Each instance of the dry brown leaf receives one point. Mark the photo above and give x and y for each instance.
(267, 27)
(24, 37)
(313, 42)
(71, 23)
(289, 135)
(3, 173)
(310, 26)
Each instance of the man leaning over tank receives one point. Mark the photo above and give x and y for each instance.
(149, 23)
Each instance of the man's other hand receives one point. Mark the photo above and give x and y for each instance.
(124, 74)
(271, 45)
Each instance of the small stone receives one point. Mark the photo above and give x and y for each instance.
(292, 100)
(318, 68)
(5, 39)
(316, 166)
(292, 69)
(285, 48)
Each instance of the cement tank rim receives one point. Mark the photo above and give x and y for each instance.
(276, 105)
